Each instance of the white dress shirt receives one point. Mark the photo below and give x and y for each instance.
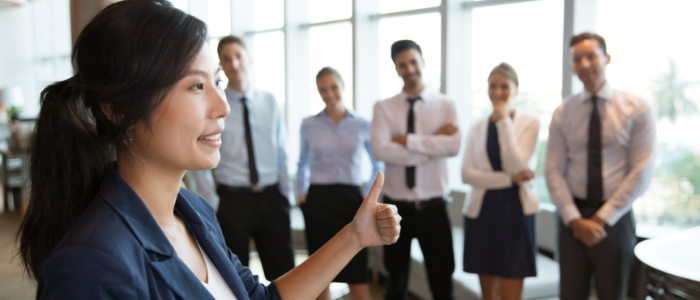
(424, 150)
(269, 145)
(628, 137)
(517, 139)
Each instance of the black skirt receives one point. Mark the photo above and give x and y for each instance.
(501, 241)
(327, 210)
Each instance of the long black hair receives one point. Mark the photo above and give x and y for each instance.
(127, 59)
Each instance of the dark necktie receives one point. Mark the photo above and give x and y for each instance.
(595, 157)
(253, 170)
(411, 171)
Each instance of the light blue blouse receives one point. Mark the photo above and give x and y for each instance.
(333, 154)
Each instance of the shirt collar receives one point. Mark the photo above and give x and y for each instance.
(119, 195)
(232, 94)
(424, 94)
(350, 115)
(606, 93)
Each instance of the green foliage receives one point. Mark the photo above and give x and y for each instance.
(669, 95)
(13, 112)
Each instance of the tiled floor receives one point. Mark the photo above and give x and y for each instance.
(14, 283)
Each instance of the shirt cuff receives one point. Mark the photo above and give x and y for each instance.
(411, 141)
(569, 213)
(273, 292)
(610, 214)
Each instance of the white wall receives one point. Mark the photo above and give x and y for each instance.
(35, 46)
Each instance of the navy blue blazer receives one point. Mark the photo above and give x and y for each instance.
(116, 250)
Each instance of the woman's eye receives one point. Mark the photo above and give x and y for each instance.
(199, 86)
(220, 83)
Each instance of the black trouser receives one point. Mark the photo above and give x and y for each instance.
(264, 216)
(431, 225)
(609, 261)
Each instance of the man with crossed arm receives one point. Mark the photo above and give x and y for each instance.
(413, 133)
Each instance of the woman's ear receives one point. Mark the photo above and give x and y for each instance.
(107, 110)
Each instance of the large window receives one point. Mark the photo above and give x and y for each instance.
(268, 64)
(219, 18)
(508, 33)
(658, 61)
(389, 6)
(324, 10)
(268, 14)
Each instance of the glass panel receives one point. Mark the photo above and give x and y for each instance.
(330, 46)
(324, 10)
(181, 4)
(388, 6)
(219, 18)
(425, 30)
(533, 46)
(268, 14)
(658, 61)
(268, 64)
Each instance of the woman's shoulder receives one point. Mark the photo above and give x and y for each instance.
(99, 227)
(478, 124)
(524, 118)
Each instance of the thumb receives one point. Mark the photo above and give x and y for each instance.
(373, 194)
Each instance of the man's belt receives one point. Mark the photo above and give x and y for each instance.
(251, 189)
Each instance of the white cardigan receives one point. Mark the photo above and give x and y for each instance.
(518, 140)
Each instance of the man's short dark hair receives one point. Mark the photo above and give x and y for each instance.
(230, 40)
(587, 36)
(403, 45)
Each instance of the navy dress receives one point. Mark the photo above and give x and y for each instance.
(501, 241)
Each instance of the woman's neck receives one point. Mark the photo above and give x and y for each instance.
(336, 112)
(157, 187)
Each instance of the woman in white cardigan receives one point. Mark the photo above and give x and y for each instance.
(499, 242)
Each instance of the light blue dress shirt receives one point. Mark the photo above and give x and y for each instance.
(334, 153)
(269, 145)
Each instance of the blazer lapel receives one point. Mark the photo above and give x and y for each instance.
(180, 279)
(220, 260)
(214, 250)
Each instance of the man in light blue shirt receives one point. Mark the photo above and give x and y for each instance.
(253, 183)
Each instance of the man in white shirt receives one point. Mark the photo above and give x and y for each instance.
(252, 178)
(413, 133)
(599, 160)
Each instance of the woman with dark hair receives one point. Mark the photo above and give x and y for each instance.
(332, 143)
(148, 93)
(499, 223)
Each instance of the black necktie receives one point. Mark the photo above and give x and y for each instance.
(595, 157)
(253, 170)
(411, 171)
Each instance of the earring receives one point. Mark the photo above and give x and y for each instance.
(127, 140)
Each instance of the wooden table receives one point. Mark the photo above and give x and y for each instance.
(671, 266)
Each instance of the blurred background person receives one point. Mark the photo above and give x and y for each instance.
(499, 225)
(253, 183)
(413, 133)
(332, 143)
(600, 158)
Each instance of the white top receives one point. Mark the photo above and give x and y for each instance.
(216, 285)
(424, 150)
(628, 138)
(517, 139)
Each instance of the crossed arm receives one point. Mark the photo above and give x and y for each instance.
(413, 149)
